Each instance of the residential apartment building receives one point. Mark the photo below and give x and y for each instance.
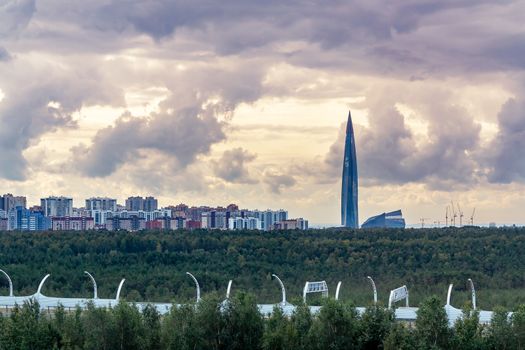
(72, 223)
(8, 202)
(101, 203)
(57, 206)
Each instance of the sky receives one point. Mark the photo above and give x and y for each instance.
(215, 102)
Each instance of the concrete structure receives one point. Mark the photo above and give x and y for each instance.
(349, 199)
(139, 203)
(8, 202)
(22, 219)
(403, 313)
(150, 204)
(57, 206)
(214, 220)
(134, 203)
(393, 219)
(100, 216)
(291, 224)
(3, 224)
(128, 224)
(101, 203)
(241, 223)
(72, 223)
(270, 217)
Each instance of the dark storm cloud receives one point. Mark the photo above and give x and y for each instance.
(182, 134)
(231, 167)
(388, 151)
(505, 157)
(15, 15)
(4, 55)
(32, 107)
(278, 182)
(403, 40)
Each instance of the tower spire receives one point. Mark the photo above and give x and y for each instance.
(349, 210)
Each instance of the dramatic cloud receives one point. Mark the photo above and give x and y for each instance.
(182, 134)
(231, 167)
(4, 54)
(32, 108)
(424, 79)
(277, 182)
(15, 15)
(506, 159)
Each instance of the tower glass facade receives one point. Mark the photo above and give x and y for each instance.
(349, 210)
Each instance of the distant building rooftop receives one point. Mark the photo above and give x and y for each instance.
(393, 219)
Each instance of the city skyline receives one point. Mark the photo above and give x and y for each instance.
(203, 102)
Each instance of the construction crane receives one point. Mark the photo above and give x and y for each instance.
(460, 216)
(472, 217)
(423, 222)
(446, 216)
(454, 215)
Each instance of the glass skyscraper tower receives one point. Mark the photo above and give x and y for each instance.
(349, 212)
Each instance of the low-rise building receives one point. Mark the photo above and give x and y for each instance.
(3, 224)
(133, 223)
(69, 223)
(291, 224)
(241, 223)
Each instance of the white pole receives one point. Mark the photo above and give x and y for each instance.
(283, 290)
(42, 284)
(229, 289)
(10, 282)
(473, 291)
(373, 287)
(95, 296)
(337, 290)
(196, 285)
(449, 293)
(119, 289)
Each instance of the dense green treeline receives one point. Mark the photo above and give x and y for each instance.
(238, 325)
(154, 262)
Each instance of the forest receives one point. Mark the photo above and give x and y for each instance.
(238, 325)
(154, 263)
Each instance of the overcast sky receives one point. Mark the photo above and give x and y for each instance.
(213, 102)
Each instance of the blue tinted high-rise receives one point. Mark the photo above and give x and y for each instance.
(349, 211)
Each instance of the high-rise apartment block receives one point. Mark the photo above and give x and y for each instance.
(150, 204)
(139, 203)
(57, 206)
(8, 202)
(22, 219)
(101, 203)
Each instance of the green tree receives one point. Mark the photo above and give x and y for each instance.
(73, 330)
(518, 326)
(432, 329)
(211, 322)
(400, 338)
(180, 328)
(376, 323)
(152, 327)
(244, 325)
(301, 323)
(100, 330)
(336, 327)
(499, 332)
(468, 332)
(128, 326)
(277, 331)
(26, 328)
